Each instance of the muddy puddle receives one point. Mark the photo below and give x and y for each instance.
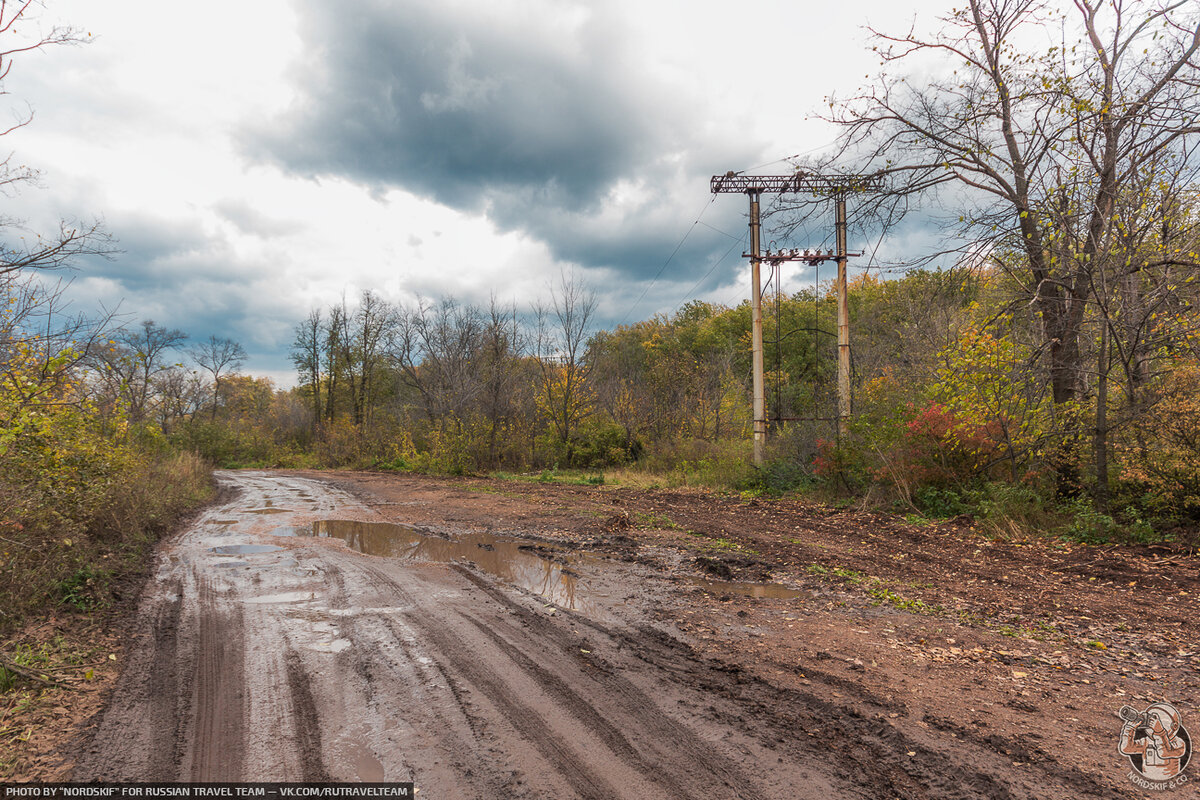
(547, 571)
(542, 570)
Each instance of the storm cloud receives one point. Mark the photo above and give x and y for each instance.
(540, 115)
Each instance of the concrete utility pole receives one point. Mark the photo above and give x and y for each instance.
(756, 334)
(838, 187)
(843, 320)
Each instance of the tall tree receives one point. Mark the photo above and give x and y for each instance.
(306, 353)
(218, 356)
(563, 332)
(131, 363)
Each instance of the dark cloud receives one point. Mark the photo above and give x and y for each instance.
(533, 118)
(456, 107)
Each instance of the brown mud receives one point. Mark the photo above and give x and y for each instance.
(521, 640)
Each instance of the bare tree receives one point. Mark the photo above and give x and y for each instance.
(563, 330)
(502, 347)
(218, 356)
(181, 392)
(335, 335)
(435, 349)
(129, 364)
(364, 343)
(306, 355)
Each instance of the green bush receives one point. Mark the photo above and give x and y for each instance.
(939, 503)
(777, 477)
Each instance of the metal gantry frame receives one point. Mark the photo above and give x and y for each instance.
(838, 187)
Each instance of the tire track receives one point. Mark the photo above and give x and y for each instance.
(306, 720)
(217, 746)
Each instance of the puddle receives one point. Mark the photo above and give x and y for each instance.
(227, 564)
(243, 549)
(267, 511)
(368, 767)
(771, 590)
(224, 522)
(542, 570)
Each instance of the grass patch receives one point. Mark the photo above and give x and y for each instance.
(849, 575)
(885, 596)
(652, 521)
(554, 475)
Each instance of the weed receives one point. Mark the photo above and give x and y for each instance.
(816, 569)
(939, 503)
(84, 590)
(966, 617)
(651, 520)
(849, 575)
(883, 595)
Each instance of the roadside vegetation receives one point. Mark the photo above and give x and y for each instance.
(88, 481)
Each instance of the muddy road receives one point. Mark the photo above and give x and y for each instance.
(332, 627)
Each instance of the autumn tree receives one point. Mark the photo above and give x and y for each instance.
(128, 366)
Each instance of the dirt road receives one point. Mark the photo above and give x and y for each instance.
(293, 634)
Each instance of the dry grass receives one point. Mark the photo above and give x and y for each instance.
(68, 558)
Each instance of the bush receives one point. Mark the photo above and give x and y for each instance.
(58, 551)
(779, 476)
(939, 503)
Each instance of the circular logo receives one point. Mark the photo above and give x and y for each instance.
(1157, 744)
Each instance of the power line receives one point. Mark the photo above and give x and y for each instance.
(723, 233)
(788, 158)
(658, 274)
(712, 269)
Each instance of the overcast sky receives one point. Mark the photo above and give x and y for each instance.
(260, 159)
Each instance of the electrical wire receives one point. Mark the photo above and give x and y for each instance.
(723, 233)
(687, 295)
(787, 158)
(658, 274)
